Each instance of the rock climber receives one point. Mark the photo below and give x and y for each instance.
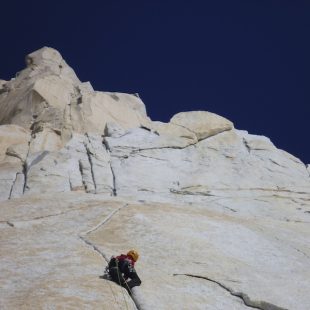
(121, 269)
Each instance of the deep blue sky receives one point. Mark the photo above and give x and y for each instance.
(246, 60)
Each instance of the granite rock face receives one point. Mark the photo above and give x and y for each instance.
(48, 95)
(220, 216)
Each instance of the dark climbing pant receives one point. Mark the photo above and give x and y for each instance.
(118, 278)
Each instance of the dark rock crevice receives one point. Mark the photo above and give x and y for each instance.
(81, 172)
(70, 183)
(25, 172)
(7, 223)
(245, 142)
(89, 156)
(114, 192)
(108, 149)
(256, 304)
(95, 248)
(11, 190)
(25, 165)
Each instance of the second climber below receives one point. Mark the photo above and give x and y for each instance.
(122, 270)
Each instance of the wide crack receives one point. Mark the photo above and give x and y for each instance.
(14, 181)
(256, 304)
(95, 248)
(114, 180)
(25, 165)
(106, 144)
(89, 156)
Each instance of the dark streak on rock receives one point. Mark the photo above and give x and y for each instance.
(81, 172)
(38, 159)
(106, 144)
(25, 172)
(246, 145)
(89, 155)
(276, 163)
(114, 180)
(12, 186)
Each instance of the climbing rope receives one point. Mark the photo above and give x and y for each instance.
(106, 273)
(116, 301)
(119, 281)
(118, 306)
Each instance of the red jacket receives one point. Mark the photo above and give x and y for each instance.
(123, 257)
(125, 264)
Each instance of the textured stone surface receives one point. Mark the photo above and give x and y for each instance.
(220, 162)
(48, 94)
(13, 152)
(204, 124)
(45, 264)
(53, 250)
(233, 242)
(220, 216)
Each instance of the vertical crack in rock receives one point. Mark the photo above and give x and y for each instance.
(70, 183)
(25, 172)
(106, 144)
(246, 145)
(25, 165)
(89, 155)
(256, 304)
(114, 181)
(11, 190)
(95, 248)
(85, 171)
(81, 172)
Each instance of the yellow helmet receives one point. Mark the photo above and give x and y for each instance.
(133, 254)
